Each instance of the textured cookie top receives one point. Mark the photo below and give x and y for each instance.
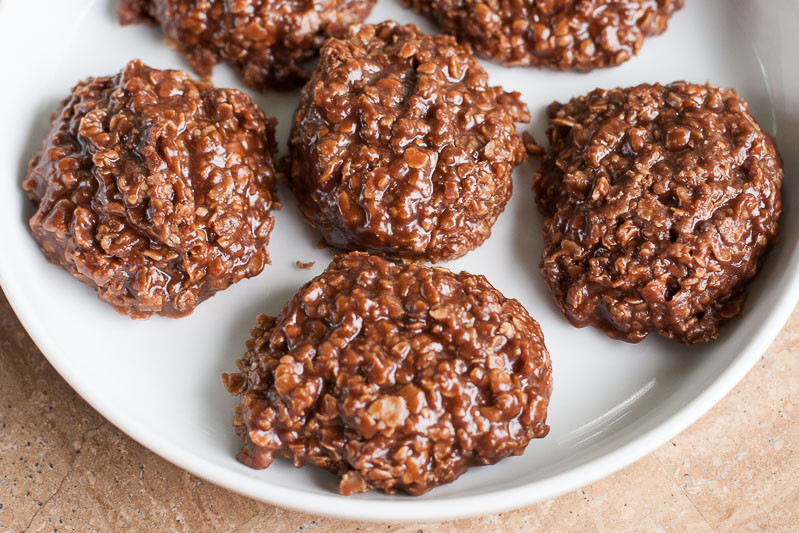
(154, 188)
(401, 147)
(393, 376)
(659, 202)
(267, 41)
(560, 34)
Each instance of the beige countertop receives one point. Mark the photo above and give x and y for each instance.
(64, 468)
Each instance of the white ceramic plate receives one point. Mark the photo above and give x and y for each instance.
(158, 380)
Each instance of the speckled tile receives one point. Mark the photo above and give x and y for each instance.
(739, 464)
(63, 468)
(618, 503)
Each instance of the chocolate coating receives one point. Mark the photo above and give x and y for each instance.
(400, 147)
(155, 189)
(266, 41)
(659, 203)
(393, 376)
(559, 34)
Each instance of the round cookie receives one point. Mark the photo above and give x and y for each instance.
(392, 376)
(559, 34)
(155, 189)
(659, 202)
(266, 41)
(399, 145)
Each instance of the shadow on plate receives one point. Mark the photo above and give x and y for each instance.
(36, 135)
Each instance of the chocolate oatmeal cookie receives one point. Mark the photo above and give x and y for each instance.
(401, 147)
(392, 376)
(266, 41)
(559, 34)
(155, 189)
(659, 203)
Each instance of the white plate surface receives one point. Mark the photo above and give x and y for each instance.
(158, 380)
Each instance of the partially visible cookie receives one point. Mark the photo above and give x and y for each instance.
(267, 41)
(659, 203)
(559, 34)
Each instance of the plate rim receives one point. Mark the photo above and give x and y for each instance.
(409, 509)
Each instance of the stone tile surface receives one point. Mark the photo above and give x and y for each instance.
(63, 468)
